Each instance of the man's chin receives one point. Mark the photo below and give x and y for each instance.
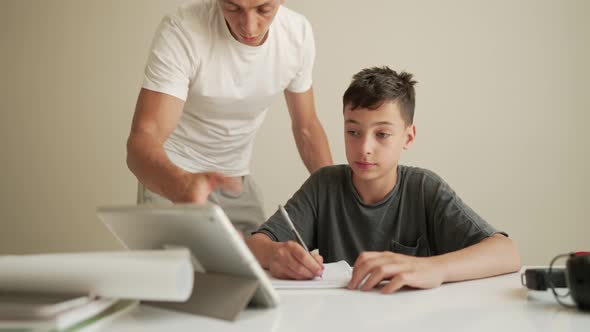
(251, 42)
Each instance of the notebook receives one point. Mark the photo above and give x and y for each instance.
(336, 275)
(18, 305)
(49, 312)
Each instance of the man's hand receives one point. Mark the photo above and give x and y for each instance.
(399, 270)
(291, 261)
(196, 187)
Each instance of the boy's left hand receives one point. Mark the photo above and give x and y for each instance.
(400, 270)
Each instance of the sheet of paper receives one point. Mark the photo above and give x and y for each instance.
(161, 275)
(336, 275)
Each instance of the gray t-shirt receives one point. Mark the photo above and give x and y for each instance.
(421, 216)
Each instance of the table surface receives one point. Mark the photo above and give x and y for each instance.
(493, 304)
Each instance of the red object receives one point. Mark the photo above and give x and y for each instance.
(579, 253)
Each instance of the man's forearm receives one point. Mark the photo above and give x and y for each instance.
(492, 256)
(150, 164)
(313, 147)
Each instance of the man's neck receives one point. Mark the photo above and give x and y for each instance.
(236, 38)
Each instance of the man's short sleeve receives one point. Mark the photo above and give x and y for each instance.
(303, 79)
(170, 62)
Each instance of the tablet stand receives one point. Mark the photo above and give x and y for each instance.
(215, 295)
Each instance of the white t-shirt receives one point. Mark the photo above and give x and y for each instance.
(227, 86)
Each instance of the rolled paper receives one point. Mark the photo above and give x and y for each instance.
(157, 275)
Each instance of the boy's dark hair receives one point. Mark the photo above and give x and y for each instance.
(371, 87)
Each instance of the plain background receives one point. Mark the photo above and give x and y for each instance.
(501, 109)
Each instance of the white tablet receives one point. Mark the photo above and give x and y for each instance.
(205, 230)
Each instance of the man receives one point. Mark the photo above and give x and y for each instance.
(214, 69)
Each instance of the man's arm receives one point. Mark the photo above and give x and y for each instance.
(309, 134)
(156, 116)
(492, 256)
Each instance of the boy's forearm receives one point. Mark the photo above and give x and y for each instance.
(262, 247)
(492, 256)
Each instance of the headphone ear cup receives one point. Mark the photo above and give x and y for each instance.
(578, 278)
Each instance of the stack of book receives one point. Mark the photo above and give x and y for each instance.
(67, 292)
(55, 312)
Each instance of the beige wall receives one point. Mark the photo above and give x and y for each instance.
(501, 105)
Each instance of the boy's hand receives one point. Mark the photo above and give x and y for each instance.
(400, 270)
(291, 261)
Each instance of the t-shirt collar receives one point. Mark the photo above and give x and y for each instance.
(227, 33)
(384, 200)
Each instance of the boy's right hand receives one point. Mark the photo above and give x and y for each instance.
(291, 261)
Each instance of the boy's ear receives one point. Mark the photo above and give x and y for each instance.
(410, 135)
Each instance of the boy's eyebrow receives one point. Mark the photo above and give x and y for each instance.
(378, 123)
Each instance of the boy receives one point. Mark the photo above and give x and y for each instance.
(391, 222)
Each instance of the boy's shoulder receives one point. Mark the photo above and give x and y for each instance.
(418, 175)
(326, 178)
(406, 172)
(331, 172)
(411, 176)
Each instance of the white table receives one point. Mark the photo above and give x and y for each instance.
(493, 304)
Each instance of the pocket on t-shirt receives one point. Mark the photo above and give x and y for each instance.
(420, 248)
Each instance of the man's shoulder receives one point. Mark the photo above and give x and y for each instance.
(196, 13)
(194, 8)
(289, 14)
(293, 23)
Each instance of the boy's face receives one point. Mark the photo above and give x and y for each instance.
(374, 140)
(249, 20)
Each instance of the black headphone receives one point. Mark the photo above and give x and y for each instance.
(575, 276)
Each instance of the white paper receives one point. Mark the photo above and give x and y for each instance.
(159, 275)
(336, 275)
